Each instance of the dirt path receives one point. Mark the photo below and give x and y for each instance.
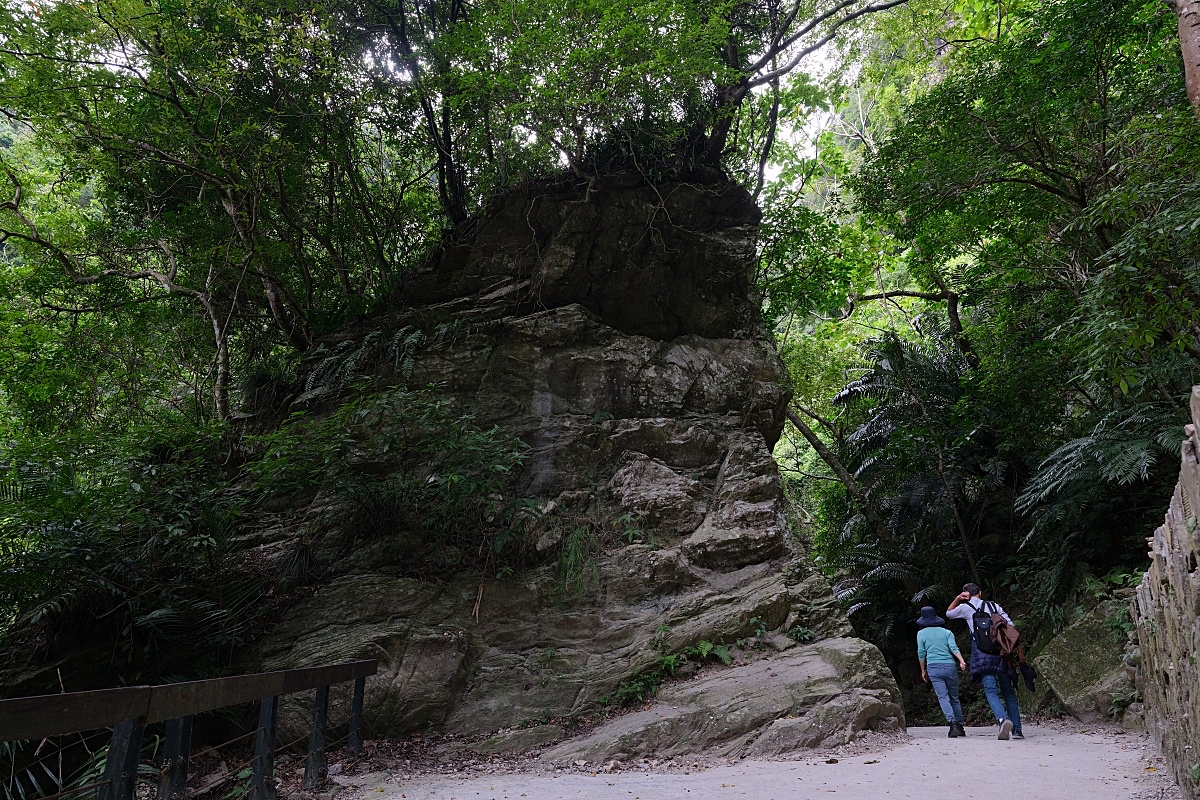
(1050, 764)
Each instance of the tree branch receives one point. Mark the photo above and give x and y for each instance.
(825, 423)
(767, 77)
(810, 475)
(900, 293)
(956, 327)
(827, 456)
(852, 486)
(865, 298)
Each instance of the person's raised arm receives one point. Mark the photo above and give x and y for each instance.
(962, 597)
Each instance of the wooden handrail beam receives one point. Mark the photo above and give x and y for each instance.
(300, 680)
(55, 714)
(174, 700)
(72, 712)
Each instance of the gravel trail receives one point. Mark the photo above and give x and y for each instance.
(1059, 763)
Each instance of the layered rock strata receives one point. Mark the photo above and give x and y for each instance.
(803, 697)
(614, 331)
(1167, 611)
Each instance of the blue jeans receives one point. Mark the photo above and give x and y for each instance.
(995, 685)
(944, 678)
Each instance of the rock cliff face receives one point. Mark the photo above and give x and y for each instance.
(1167, 611)
(614, 331)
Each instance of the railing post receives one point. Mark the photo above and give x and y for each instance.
(262, 786)
(354, 742)
(316, 770)
(121, 763)
(173, 779)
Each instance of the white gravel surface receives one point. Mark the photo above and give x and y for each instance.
(1063, 762)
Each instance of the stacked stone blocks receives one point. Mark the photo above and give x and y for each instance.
(1167, 610)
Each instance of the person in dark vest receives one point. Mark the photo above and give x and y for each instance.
(937, 651)
(991, 670)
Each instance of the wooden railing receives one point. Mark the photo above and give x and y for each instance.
(130, 709)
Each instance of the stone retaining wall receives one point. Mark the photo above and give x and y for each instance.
(1167, 611)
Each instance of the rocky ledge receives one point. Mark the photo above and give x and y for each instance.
(615, 332)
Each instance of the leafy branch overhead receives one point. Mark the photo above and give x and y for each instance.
(280, 168)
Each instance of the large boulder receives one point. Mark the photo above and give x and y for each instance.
(804, 697)
(612, 328)
(1084, 667)
(658, 261)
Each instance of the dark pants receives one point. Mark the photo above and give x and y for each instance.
(944, 678)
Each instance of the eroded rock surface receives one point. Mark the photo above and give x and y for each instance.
(616, 335)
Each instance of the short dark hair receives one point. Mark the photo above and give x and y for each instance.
(971, 588)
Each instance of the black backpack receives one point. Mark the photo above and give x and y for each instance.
(981, 629)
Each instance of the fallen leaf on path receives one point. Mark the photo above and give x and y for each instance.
(832, 761)
(872, 761)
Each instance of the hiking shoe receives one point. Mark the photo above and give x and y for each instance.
(1018, 735)
(1005, 729)
(953, 734)
(961, 730)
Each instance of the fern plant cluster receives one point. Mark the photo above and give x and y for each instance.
(951, 499)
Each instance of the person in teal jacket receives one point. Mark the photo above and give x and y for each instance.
(937, 652)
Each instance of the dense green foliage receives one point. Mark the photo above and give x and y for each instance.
(136, 544)
(1013, 411)
(979, 257)
(256, 175)
(198, 194)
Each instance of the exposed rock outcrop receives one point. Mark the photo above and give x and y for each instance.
(614, 331)
(804, 697)
(1167, 612)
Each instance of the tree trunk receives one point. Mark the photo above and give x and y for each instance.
(729, 100)
(852, 487)
(956, 327)
(828, 457)
(1189, 42)
(292, 325)
(221, 384)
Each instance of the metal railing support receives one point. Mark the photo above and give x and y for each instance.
(176, 750)
(262, 786)
(316, 768)
(354, 742)
(121, 762)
